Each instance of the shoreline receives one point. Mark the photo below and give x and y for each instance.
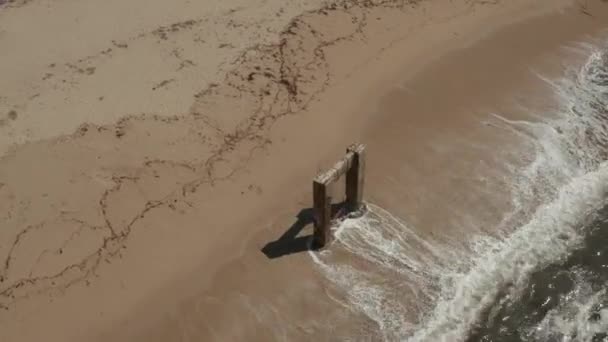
(224, 285)
(253, 184)
(474, 84)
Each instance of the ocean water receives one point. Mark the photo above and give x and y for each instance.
(543, 277)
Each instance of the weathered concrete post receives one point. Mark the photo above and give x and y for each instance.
(322, 213)
(353, 164)
(355, 177)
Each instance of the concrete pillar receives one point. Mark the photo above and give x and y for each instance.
(322, 214)
(353, 164)
(355, 178)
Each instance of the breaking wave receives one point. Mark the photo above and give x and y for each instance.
(502, 287)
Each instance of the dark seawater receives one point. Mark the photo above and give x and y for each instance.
(565, 301)
(543, 278)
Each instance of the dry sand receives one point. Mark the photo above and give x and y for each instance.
(98, 61)
(153, 148)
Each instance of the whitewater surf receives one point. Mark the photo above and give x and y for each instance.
(541, 277)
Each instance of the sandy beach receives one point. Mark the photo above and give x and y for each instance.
(150, 150)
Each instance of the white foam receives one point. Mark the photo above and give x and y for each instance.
(553, 197)
(552, 233)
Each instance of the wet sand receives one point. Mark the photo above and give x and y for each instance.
(151, 228)
(462, 148)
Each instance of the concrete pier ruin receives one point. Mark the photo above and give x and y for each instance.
(353, 166)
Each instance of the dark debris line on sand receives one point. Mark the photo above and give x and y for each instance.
(289, 87)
